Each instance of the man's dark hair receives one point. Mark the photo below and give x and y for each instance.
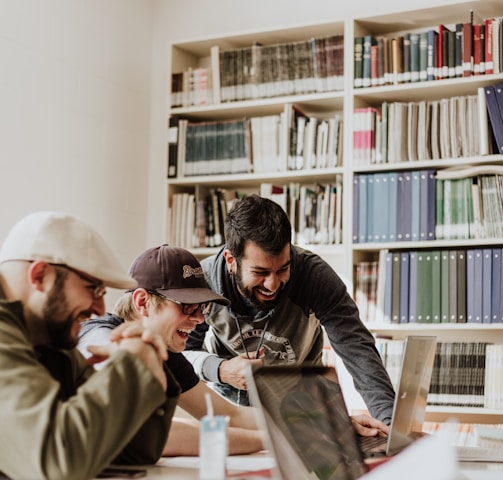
(260, 220)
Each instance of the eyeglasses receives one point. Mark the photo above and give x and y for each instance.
(187, 308)
(98, 289)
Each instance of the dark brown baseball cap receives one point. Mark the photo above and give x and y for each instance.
(175, 273)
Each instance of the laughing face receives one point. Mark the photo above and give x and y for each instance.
(174, 326)
(69, 302)
(261, 277)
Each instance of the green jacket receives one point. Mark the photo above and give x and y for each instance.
(76, 425)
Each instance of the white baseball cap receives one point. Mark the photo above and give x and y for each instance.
(59, 238)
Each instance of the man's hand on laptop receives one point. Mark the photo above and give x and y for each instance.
(367, 426)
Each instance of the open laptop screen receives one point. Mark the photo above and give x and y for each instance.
(305, 408)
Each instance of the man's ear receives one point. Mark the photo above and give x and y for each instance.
(140, 301)
(39, 273)
(230, 260)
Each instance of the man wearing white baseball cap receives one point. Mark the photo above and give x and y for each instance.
(60, 418)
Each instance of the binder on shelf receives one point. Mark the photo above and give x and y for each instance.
(453, 282)
(424, 287)
(356, 209)
(474, 279)
(395, 288)
(496, 271)
(413, 285)
(388, 287)
(487, 260)
(436, 291)
(404, 206)
(444, 286)
(495, 117)
(404, 287)
(461, 286)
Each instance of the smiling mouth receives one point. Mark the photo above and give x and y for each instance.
(184, 333)
(266, 293)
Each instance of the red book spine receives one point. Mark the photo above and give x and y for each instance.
(467, 49)
(489, 46)
(476, 49)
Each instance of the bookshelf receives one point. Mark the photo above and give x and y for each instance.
(341, 99)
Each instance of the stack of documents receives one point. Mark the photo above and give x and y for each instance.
(484, 443)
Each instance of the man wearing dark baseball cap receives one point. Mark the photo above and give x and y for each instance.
(171, 299)
(175, 273)
(60, 418)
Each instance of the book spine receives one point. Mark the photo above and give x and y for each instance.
(495, 115)
(368, 41)
(407, 72)
(467, 49)
(414, 57)
(432, 59)
(487, 258)
(358, 62)
(488, 50)
(461, 286)
(404, 287)
(173, 147)
(459, 49)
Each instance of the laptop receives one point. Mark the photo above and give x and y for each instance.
(411, 398)
(308, 430)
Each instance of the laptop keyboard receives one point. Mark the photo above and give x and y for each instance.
(367, 443)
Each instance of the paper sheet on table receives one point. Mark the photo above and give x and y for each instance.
(235, 463)
(432, 457)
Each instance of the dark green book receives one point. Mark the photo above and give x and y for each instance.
(436, 292)
(444, 286)
(414, 57)
(424, 288)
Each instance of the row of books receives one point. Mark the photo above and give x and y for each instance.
(262, 71)
(412, 131)
(446, 51)
(456, 127)
(315, 212)
(394, 206)
(198, 222)
(420, 205)
(192, 87)
(487, 436)
(439, 286)
(470, 206)
(272, 143)
(460, 375)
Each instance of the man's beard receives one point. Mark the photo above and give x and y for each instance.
(250, 295)
(56, 317)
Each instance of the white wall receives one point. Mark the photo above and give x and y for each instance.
(75, 84)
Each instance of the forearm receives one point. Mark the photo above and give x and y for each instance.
(243, 441)
(184, 439)
(205, 364)
(243, 417)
